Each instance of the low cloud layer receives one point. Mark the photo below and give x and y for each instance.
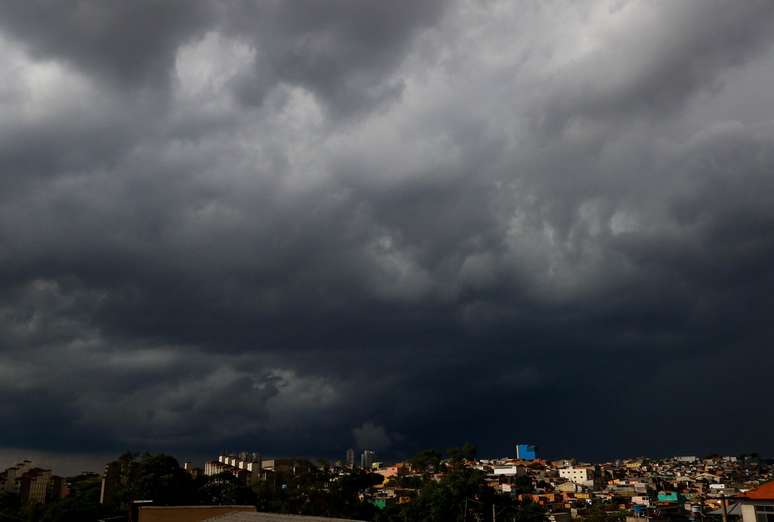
(300, 227)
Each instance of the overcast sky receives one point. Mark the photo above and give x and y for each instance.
(293, 227)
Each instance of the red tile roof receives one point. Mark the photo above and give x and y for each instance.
(762, 492)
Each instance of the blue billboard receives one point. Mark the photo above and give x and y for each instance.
(526, 451)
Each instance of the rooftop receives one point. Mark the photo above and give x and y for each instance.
(762, 492)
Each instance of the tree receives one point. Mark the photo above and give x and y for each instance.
(426, 461)
(225, 488)
(81, 505)
(10, 508)
(458, 456)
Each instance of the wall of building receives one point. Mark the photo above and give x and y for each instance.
(509, 470)
(748, 513)
(577, 475)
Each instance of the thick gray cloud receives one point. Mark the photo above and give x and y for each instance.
(130, 43)
(343, 50)
(299, 227)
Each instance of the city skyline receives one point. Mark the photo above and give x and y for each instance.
(302, 227)
(68, 464)
(522, 487)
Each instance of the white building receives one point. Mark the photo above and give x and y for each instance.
(510, 470)
(686, 458)
(583, 476)
(215, 468)
(231, 463)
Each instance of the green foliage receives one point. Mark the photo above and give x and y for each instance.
(445, 500)
(81, 505)
(522, 484)
(10, 508)
(426, 461)
(155, 477)
(224, 489)
(161, 479)
(318, 493)
(466, 452)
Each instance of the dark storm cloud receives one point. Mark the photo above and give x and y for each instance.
(293, 227)
(130, 43)
(342, 50)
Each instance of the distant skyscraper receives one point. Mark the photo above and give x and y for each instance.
(351, 458)
(526, 451)
(366, 459)
(34, 486)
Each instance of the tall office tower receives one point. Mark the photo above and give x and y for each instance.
(351, 458)
(366, 459)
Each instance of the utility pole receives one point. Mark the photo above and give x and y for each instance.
(494, 517)
(723, 507)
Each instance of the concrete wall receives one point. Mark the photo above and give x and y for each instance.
(274, 517)
(748, 513)
(187, 513)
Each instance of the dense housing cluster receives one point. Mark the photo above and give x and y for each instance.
(676, 488)
(431, 486)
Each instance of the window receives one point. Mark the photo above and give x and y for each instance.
(764, 513)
